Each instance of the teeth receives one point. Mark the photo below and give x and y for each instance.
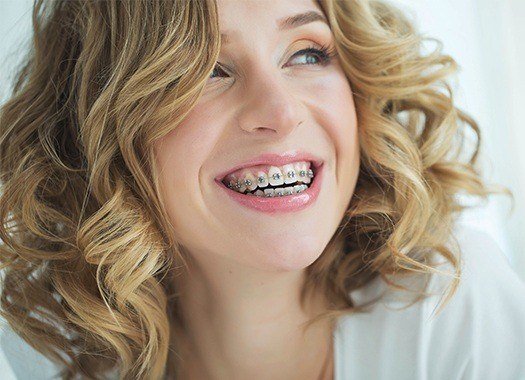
(235, 184)
(303, 173)
(275, 176)
(293, 174)
(262, 179)
(250, 182)
(289, 174)
(241, 185)
(299, 188)
(282, 191)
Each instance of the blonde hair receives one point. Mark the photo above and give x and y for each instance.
(88, 252)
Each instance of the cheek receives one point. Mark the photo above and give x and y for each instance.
(333, 99)
(180, 156)
(333, 95)
(183, 151)
(347, 140)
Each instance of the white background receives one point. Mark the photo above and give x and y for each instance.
(486, 37)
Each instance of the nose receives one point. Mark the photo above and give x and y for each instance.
(270, 107)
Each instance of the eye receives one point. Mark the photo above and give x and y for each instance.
(217, 68)
(322, 56)
(314, 56)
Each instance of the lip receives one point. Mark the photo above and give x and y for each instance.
(275, 159)
(284, 204)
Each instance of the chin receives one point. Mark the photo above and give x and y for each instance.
(295, 255)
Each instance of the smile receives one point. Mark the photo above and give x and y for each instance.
(272, 181)
(294, 196)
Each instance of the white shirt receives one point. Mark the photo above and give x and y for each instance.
(480, 334)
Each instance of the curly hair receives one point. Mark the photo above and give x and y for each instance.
(88, 254)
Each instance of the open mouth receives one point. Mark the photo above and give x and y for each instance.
(299, 194)
(273, 181)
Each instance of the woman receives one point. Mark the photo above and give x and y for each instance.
(232, 190)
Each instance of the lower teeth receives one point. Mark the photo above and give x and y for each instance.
(278, 192)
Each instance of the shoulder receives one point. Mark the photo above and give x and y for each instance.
(480, 333)
(484, 324)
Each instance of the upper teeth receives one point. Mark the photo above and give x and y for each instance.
(276, 176)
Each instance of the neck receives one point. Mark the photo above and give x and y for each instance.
(241, 323)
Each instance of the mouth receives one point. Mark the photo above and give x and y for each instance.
(272, 181)
(291, 197)
(274, 159)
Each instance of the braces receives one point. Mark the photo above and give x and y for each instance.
(280, 194)
(291, 174)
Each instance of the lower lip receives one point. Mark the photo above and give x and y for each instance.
(285, 203)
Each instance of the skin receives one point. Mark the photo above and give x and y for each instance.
(240, 297)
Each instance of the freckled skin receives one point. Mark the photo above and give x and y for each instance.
(246, 260)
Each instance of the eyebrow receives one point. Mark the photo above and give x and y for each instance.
(288, 23)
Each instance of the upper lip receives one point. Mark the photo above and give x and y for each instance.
(275, 159)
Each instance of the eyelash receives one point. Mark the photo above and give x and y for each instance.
(324, 52)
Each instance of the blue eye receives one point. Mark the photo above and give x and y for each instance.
(322, 57)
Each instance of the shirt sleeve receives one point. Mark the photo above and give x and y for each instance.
(480, 334)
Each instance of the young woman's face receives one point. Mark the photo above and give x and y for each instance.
(264, 96)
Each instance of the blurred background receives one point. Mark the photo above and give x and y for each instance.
(486, 39)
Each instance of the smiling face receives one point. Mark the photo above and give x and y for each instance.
(264, 96)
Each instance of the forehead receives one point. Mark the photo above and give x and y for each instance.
(240, 16)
